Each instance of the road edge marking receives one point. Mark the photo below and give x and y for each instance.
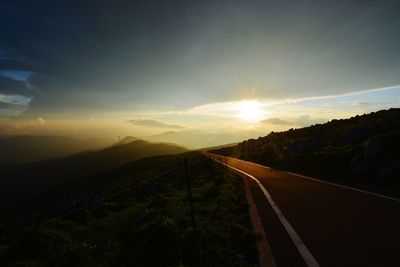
(301, 247)
(344, 186)
(266, 257)
(320, 180)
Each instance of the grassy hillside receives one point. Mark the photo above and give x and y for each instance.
(25, 182)
(362, 149)
(138, 215)
(34, 148)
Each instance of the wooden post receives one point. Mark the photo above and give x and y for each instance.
(212, 173)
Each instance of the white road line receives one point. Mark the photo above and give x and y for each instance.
(251, 163)
(301, 247)
(344, 186)
(322, 181)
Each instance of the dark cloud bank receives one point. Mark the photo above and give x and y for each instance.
(107, 55)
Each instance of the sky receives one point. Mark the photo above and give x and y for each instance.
(142, 68)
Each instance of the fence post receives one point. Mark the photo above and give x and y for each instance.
(213, 174)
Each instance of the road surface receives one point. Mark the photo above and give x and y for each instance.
(313, 223)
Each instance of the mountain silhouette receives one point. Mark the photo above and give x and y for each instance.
(21, 182)
(26, 148)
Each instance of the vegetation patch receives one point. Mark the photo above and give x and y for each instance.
(361, 150)
(143, 218)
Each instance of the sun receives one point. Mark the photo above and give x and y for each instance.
(250, 110)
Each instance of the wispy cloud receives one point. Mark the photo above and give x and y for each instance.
(304, 120)
(154, 124)
(277, 121)
(14, 87)
(12, 106)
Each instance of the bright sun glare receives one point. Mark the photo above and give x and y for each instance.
(250, 110)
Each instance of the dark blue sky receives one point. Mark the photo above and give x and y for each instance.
(69, 57)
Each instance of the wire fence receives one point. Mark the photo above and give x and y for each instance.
(191, 241)
(132, 189)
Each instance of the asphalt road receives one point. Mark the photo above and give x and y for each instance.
(332, 225)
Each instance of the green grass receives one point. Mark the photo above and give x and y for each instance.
(147, 227)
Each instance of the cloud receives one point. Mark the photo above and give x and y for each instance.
(12, 106)
(41, 121)
(13, 87)
(306, 120)
(154, 124)
(277, 121)
(302, 121)
(19, 125)
(15, 64)
(129, 56)
(372, 104)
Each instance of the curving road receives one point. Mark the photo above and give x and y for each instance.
(314, 223)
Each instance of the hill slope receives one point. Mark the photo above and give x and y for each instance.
(27, 148)
(27, 181)
(360, 149)
(123, 216)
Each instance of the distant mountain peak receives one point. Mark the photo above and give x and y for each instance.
(126, 140)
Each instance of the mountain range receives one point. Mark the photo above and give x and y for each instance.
(26, 181)
(26, 148)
